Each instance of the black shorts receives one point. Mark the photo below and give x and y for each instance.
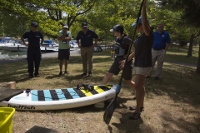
(63, 54)
(127, 71)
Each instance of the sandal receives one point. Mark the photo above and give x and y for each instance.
(134, 116)
(134, 108)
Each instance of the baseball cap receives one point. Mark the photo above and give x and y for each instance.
(84, 24)
(65, 26)
(34, 24)
(117, 28)
(139, 21)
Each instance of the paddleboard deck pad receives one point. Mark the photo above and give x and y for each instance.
(60, 98)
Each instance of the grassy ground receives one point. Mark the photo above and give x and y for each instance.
(171, 104)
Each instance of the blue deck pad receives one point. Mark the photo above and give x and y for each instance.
(34, 95)
(60, 94)
(47, 95)
(73, 93)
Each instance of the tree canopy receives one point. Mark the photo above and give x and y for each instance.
(101, 15)
(190, 10)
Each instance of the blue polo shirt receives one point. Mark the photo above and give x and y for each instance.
(160, 40)
(86, 39)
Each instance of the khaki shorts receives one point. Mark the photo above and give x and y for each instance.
(142, 70)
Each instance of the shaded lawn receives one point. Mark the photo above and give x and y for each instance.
(180, 56)
(171, 104)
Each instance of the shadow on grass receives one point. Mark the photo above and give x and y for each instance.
(38, 129)
(179, 83)
(172, 123)
(127, 125)
(19, 72)
(181, 59)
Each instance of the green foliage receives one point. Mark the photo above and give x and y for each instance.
(49, 13)
(101, 16)
(190, 9)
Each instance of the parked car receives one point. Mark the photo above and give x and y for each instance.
(97, 48)
(6, 39)
(49, 43)
(73, 44)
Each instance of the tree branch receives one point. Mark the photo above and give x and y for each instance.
(89, 8)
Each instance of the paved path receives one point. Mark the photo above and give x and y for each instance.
(44, 55)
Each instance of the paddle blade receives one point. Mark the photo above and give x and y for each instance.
(109, 111)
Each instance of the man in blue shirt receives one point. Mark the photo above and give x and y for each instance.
(33, 52)
(85, 43)
(159, 48)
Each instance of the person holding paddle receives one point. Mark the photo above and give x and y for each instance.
(121, 48)
(143, 59)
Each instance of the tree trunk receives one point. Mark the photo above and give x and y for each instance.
(191, 45)
(198, 64)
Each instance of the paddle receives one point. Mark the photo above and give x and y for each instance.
(111, 107)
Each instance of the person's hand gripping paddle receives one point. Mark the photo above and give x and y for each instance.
(111, 107)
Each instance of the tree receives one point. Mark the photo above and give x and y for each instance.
(190, 15)
(49, 13)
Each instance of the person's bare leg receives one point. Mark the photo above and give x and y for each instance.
(106, 78)
(66, 65)
(131, 84)
(142, 105)
(60, 65)
(140, 92)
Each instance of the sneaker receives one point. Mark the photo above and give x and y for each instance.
(89, 75)
(84, 75)
(36, 74)
(134, 116)
(134, 108)
(30, 75)
(66, 72)
(60, 73)
(156, 78)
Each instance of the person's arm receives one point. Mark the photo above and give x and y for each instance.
(62, 37)
(22, 39)
(167, 46)
(168, 42)
(130, 57)
(96, 38)
(145, 24)
(42, 40)
(69, 37)
(78, 40)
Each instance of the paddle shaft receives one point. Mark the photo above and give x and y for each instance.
(131, 44)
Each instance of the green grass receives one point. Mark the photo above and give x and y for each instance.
(180, 56)
(171, 104)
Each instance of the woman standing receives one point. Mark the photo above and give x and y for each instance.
(143, 59)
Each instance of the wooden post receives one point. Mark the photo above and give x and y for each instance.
(18, 50)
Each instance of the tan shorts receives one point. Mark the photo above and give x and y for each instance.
(142, 70)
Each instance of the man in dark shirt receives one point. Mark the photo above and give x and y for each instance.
(33, 52)
(85, 43)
